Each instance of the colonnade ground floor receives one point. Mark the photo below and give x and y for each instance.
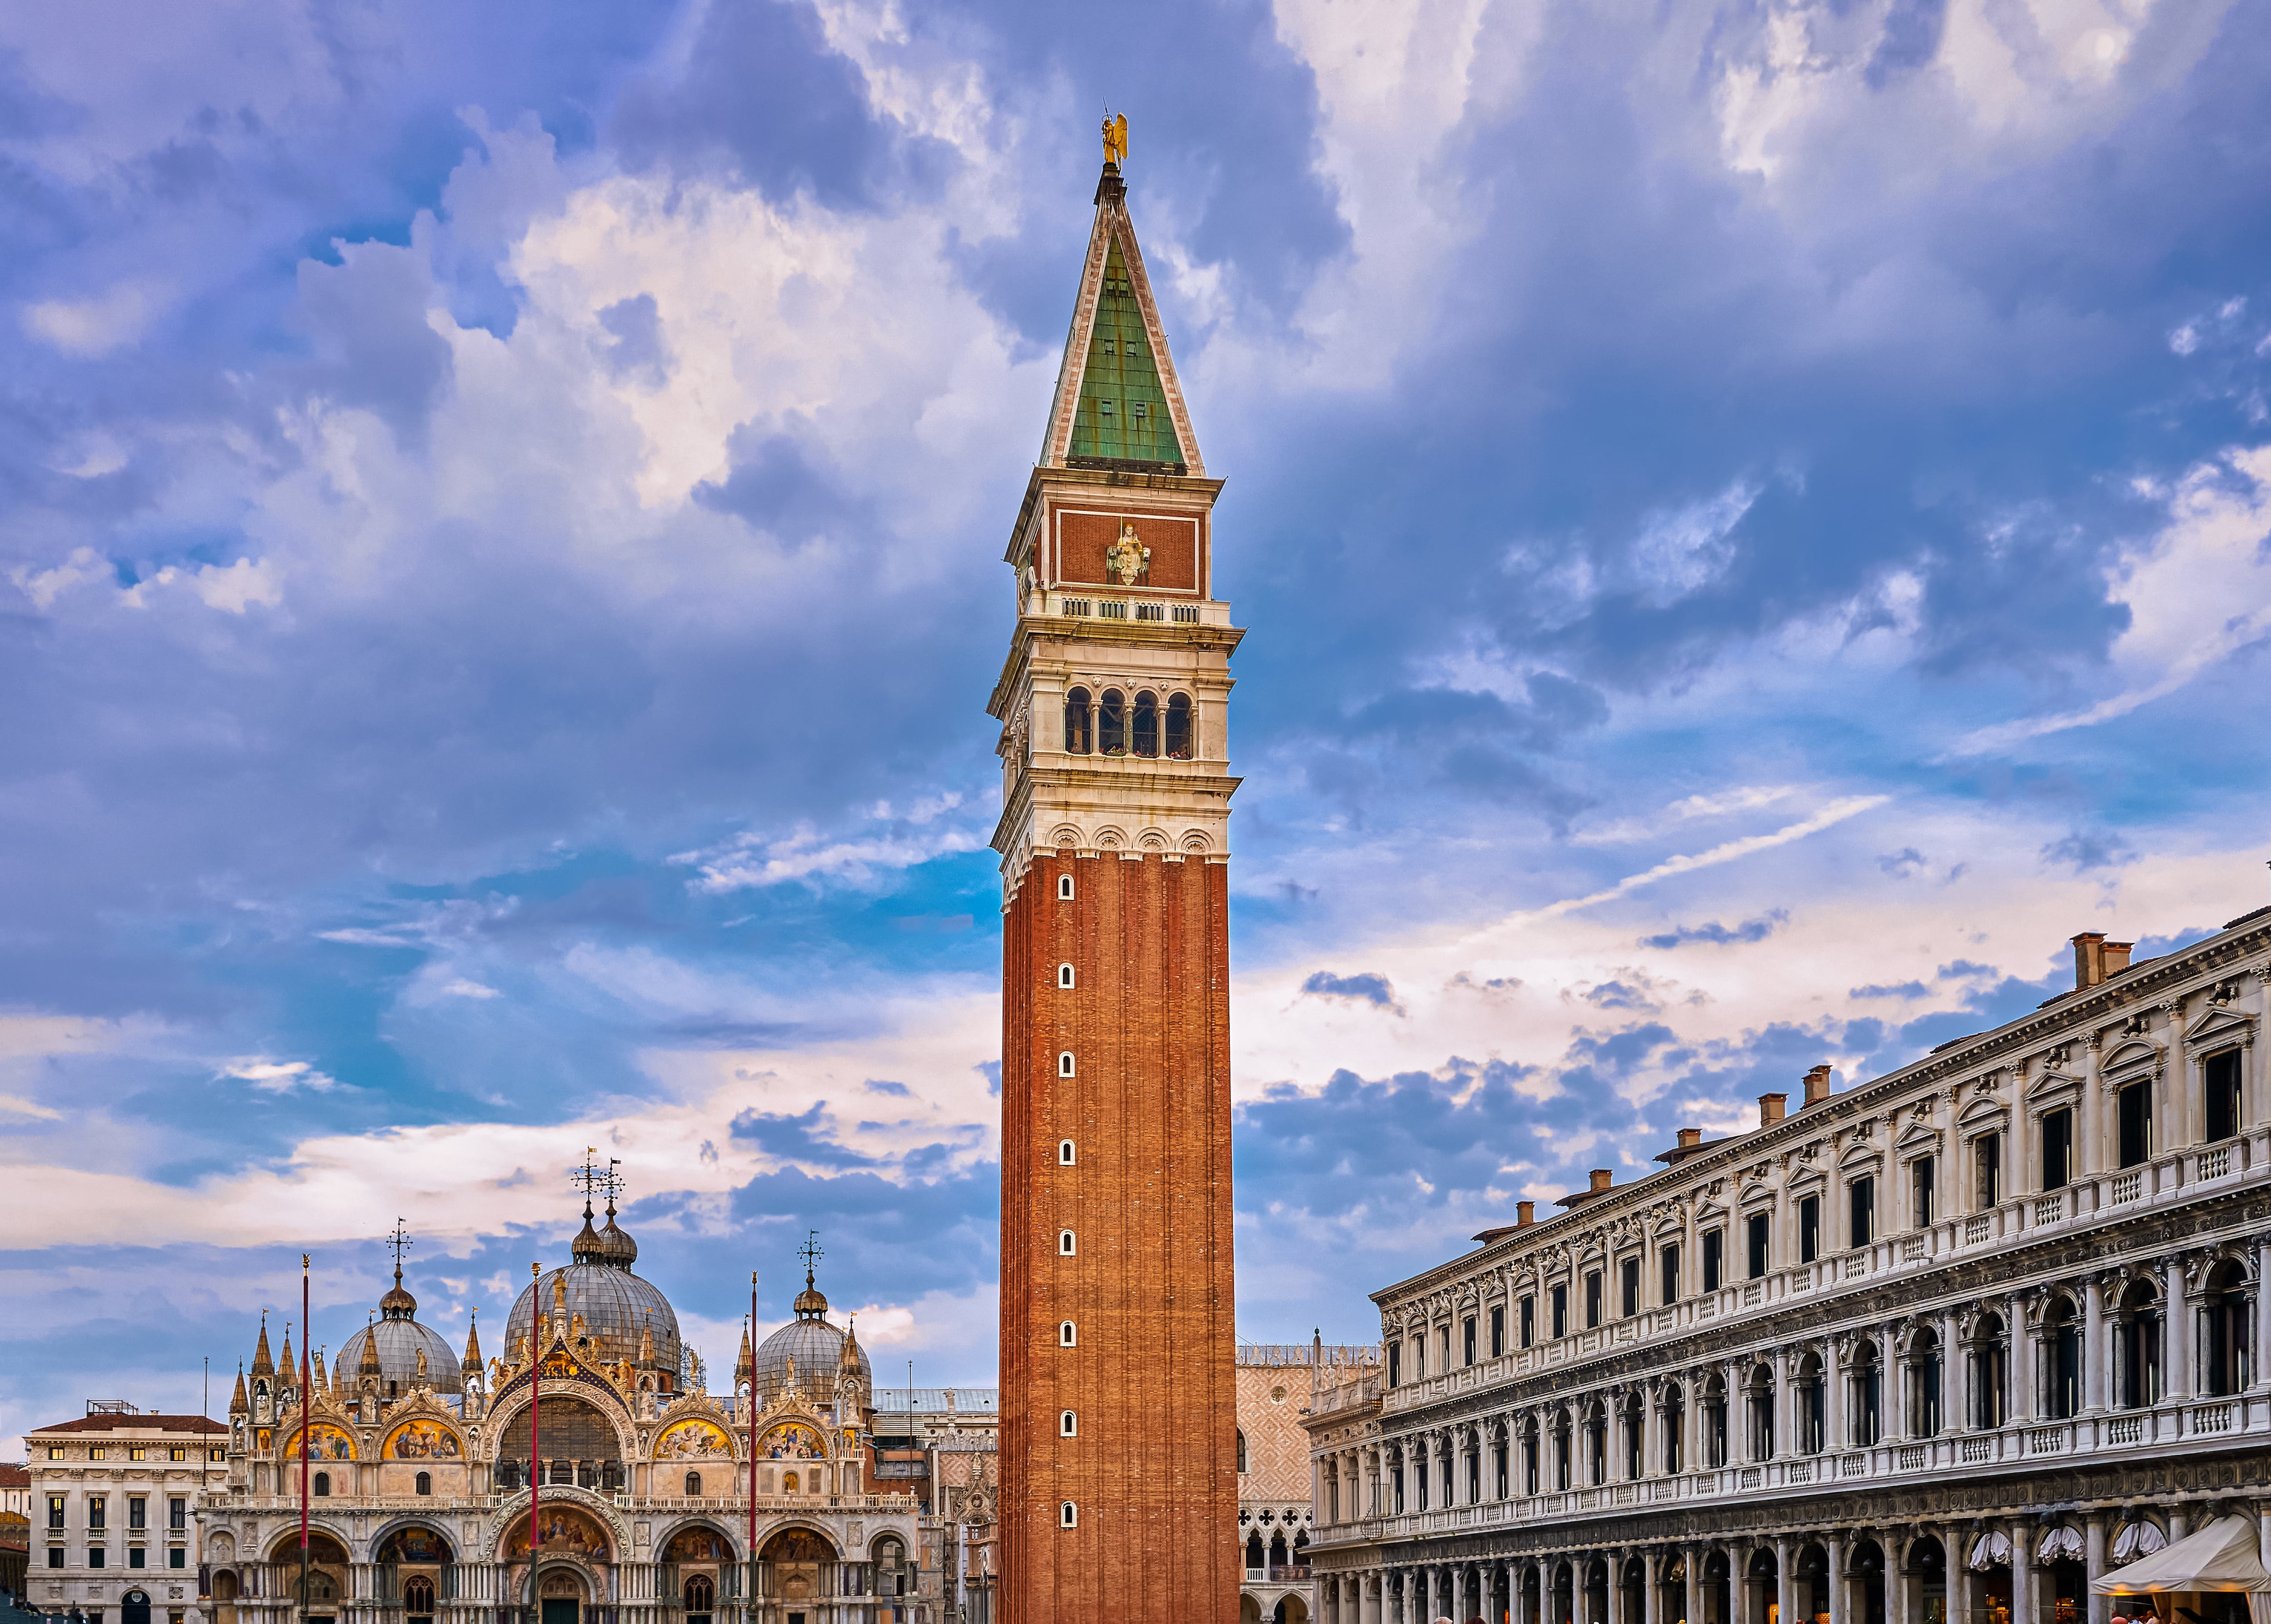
(2017, 1552)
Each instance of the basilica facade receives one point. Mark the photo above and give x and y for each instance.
(423, 1462)
(1949, 1344)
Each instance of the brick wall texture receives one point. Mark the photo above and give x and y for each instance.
(1150, 1289)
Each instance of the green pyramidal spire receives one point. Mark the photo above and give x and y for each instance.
(1123, 409)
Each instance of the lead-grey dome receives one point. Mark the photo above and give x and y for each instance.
(399, 1338)
(816, 1345)
(620, 1310)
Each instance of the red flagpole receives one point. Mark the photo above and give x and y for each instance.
(750, 1421)
(535, 1461)
(303, 1434)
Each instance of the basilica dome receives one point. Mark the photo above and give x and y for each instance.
(816, 1347)
(624, 1317)
(397, 1338)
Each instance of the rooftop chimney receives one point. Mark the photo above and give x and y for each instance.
(1525, 1214)
(1817, 1085)
(1770, 1108)
(2089, 960)
(1690, 1137)
(2116, 957)
(1602, 1178)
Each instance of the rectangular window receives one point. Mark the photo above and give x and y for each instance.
(1498, 1330)
(137, 1453)
(97, 1512)
(1592, 1299)
(1714, 1243)
(1443, 1336)
(94, 1555)
(1754, 1238)
(1394, 1364)
(2220, 1076)
(138, 1512)
(1987, 1172)
(177, 1453)
(1561, 1312)
(2057, 1149)
(54, 1451)
(1670, 1260)
(1922, 1177)
(54, 1511)
(1628, 1288)
(1529, 1321)
(1419, 1356)
(55, 1556)
(1809, 1228)
(177, 1512)
(178, 1557)
(1863, 1192)
(2135, 1103)
(99, 1452)
(1467, 1340)
(135, 1556)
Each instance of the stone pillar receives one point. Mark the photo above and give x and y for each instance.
(1693, 1555)
(2101, 1608)
(2258, 1355)
(2096, 1355)
(1900, 1586)
(2021, 1361)
(2176, 1363)
(1785, 1587)
(2022, 1571)
(1839, 1612)
(1896, 1379)
(1834, 1424)
(1651, 1599)
(1616, 1596)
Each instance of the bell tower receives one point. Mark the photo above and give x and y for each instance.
(1118, 1410)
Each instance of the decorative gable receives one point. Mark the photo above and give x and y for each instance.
(2219, 1028)
(2129, 1057)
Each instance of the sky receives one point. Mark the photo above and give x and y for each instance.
(1751, 516)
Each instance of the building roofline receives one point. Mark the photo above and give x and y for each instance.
(2250, 932)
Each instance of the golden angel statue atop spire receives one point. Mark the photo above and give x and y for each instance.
(1115, 139)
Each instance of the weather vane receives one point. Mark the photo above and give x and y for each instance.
(400, 1242)
(810, 1251)
(1115, 137)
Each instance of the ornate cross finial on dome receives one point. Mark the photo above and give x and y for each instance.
(810, 1304)
(399, 1304)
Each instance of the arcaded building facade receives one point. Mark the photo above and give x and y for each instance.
(1951, 1343)
(1118, 1320)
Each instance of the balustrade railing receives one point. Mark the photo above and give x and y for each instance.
(2162, 1425)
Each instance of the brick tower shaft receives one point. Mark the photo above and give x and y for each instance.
(1119, 1412)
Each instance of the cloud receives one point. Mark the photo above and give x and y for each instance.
(2084, 850)
(1750, 930)
(92, 327)
(1361, 988)
(275, 1076)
